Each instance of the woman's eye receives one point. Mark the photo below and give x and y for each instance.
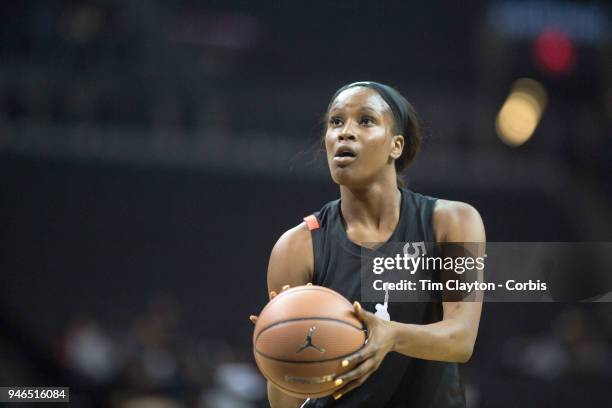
(335, 122)
(367, 121)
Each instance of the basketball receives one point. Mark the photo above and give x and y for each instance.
(301, 338)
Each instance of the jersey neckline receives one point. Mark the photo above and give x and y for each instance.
(355, 248)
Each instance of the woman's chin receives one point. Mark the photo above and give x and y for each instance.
(347, 178)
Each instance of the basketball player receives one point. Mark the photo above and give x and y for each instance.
(410, 359)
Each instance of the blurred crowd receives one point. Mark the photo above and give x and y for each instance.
(107, 63)
(154, 361)
(576, 349)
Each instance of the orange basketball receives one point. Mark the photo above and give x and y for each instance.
(301, 338)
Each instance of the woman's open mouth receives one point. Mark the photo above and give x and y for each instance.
(344, 156)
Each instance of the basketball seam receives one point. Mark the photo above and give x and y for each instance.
(299, 319)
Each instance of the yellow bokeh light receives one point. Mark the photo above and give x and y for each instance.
(521, 112)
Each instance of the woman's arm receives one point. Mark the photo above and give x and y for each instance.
(291, 261)
(291, 264)
(451, 339)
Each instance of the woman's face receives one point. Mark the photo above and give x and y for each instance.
(359, 140)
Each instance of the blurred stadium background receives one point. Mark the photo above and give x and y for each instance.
(152, 152)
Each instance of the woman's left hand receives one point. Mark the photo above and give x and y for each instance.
(380, 341)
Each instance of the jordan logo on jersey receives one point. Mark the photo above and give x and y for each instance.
(308, 342)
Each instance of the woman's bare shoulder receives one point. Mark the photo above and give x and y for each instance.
(292, 259)
(457, 221)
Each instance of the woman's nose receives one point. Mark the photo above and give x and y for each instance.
(347, 133)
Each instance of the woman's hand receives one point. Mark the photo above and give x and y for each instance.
(380, 341)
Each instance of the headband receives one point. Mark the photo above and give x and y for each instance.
(390, 96)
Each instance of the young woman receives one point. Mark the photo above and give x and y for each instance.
(373, 134)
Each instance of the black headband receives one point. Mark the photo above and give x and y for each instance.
(390, 96)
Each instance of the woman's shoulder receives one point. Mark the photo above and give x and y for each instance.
(300, 235)
(445, 210)
(456, 220)
(295, 239)
(416, 198)
(454, 209)
(291, 260)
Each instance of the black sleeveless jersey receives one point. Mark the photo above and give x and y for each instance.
(400, 381)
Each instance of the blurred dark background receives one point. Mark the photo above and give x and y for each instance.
(151, 153)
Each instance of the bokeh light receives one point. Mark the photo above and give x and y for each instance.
(554, 52)
(521, 112)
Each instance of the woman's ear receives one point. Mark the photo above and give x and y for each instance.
(397, 146)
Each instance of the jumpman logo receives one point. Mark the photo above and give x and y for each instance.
(308, 342)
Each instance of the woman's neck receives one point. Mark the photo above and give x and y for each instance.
(377, 206)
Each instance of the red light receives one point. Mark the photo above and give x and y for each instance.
(555, 53)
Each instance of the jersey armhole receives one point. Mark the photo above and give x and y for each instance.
(430, 219)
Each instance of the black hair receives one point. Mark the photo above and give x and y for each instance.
(405, 119)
